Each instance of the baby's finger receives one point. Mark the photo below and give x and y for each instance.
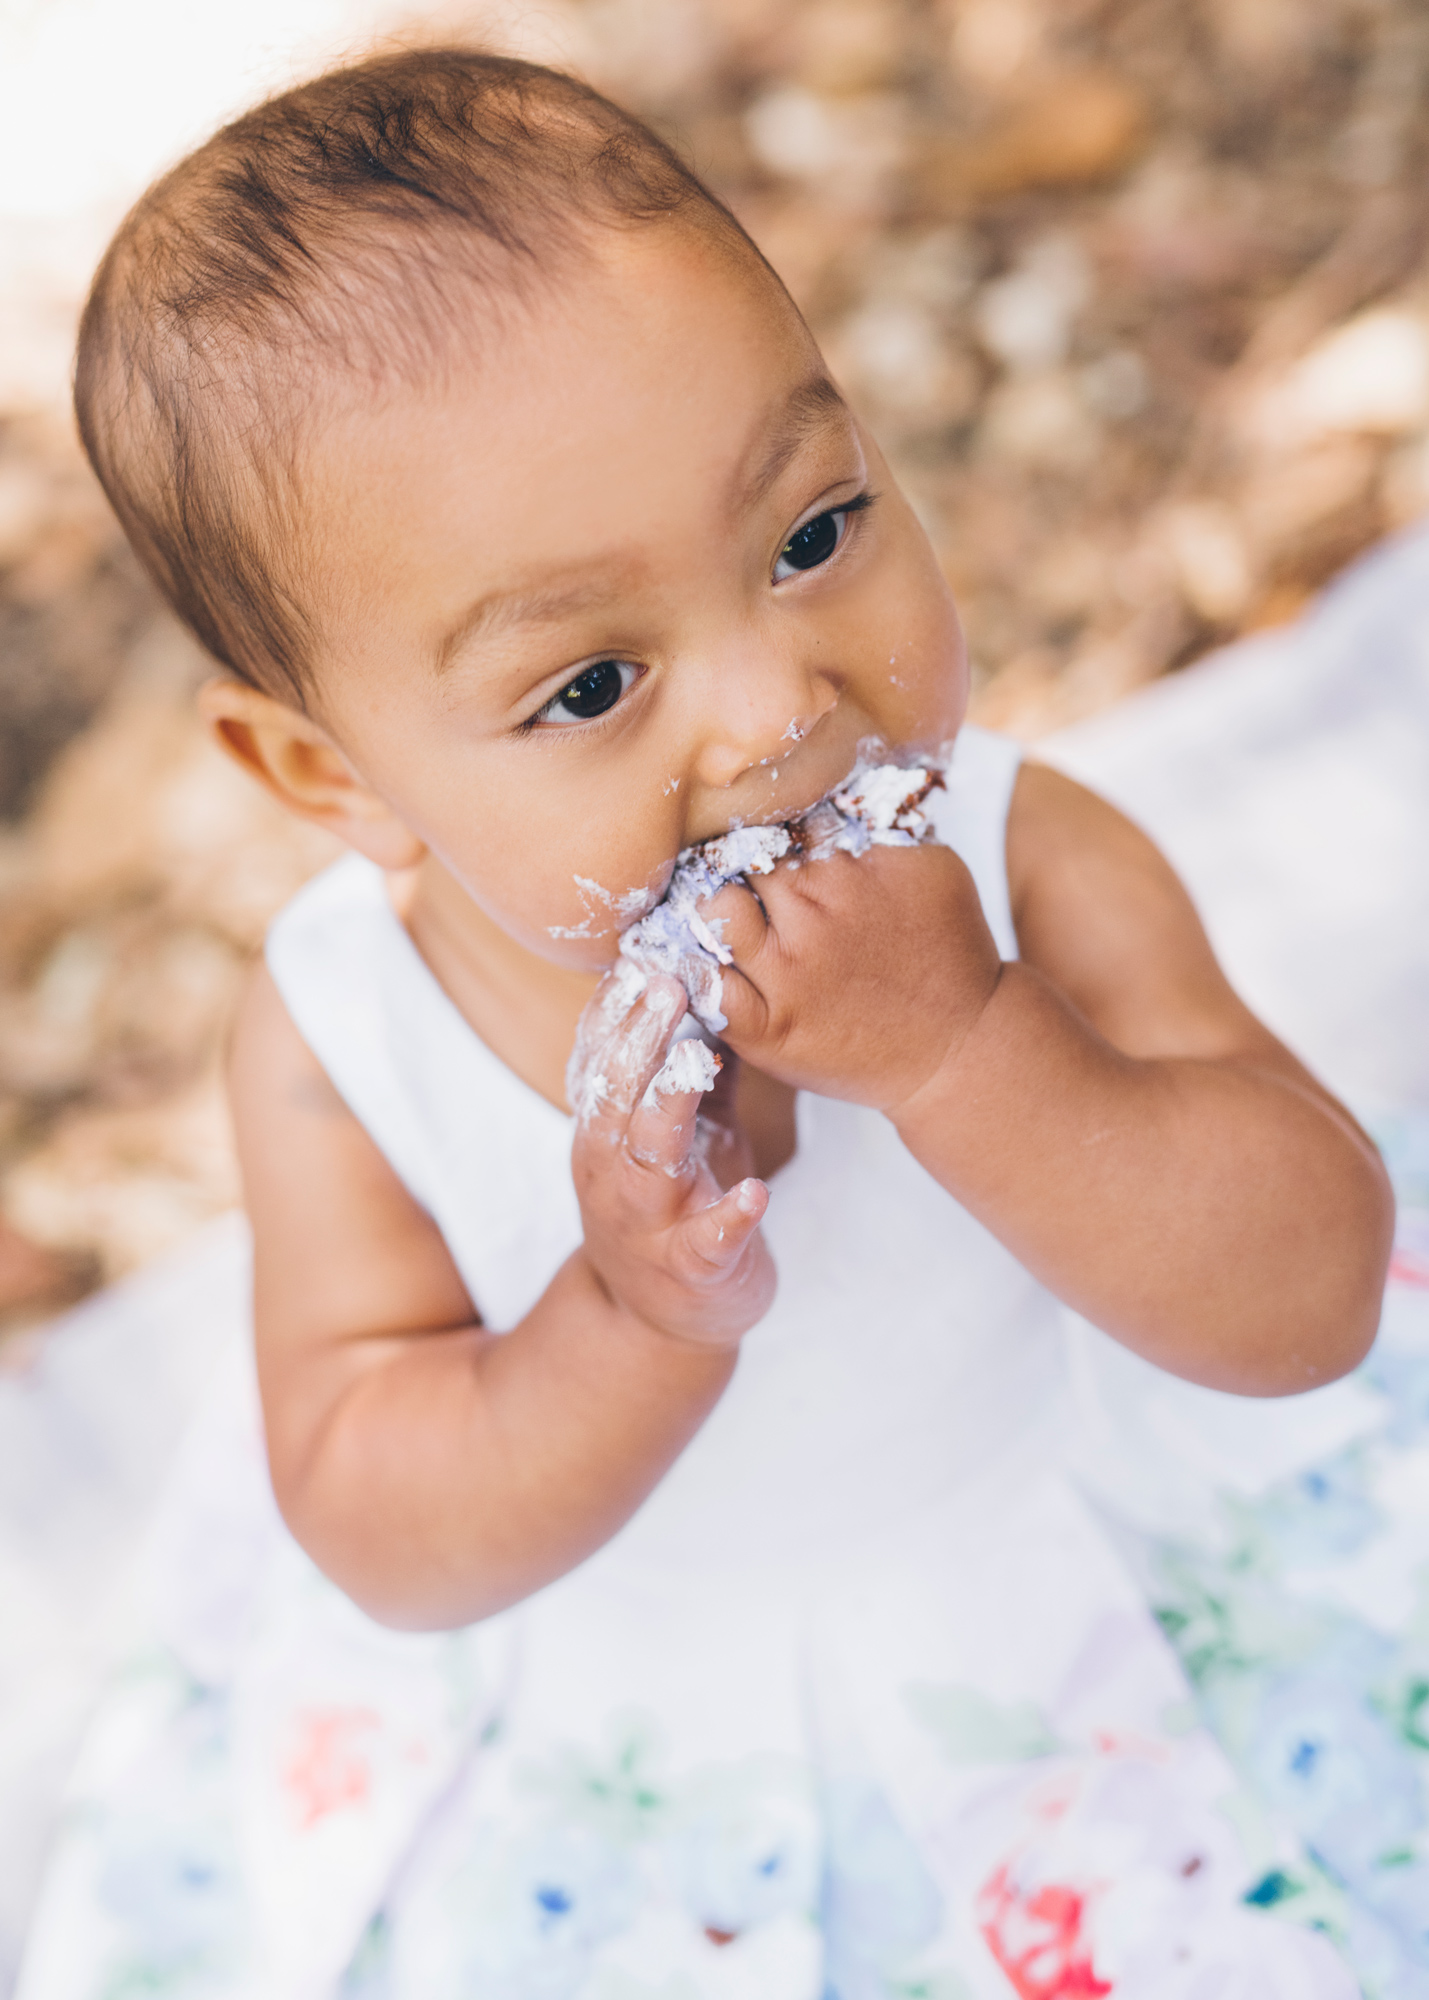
(661, 1131)
(738, 921)
(601, 1019)
(746, 1011)
(613, 1081)
(715, 1238)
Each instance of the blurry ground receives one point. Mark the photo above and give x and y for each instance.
(1137, 291)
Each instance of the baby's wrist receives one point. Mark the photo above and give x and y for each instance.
(665, 1332)
(945, 1079)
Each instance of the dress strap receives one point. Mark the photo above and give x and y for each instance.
(333, 953)
(971, 817)
(477, 1148)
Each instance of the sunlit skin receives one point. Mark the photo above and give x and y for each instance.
(628, 480)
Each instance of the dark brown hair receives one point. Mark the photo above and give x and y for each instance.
(345, 226)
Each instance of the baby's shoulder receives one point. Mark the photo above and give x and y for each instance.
(1101, 912)
(1067, 842)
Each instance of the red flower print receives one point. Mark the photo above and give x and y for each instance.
(327, 1771)
(1036, 1937)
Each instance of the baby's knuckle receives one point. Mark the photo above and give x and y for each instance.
(780, 1022)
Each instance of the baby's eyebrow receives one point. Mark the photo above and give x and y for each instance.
(810, 408)
(543, 604)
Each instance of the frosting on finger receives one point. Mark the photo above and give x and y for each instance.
(876, 805)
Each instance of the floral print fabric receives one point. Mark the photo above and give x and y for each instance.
(1041, 1795)
(1302, 1623)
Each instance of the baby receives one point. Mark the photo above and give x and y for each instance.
(484, 451)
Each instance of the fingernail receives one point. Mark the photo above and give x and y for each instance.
(746, 1197)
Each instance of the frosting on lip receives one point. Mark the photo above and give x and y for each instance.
(876, 805)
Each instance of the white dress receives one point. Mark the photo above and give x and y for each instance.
(864, 1701)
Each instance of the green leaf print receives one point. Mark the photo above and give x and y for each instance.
(946, 1985)
(972, 1729)
(1304, 1895)
(616, 1795)
(1407, 1711)
(367, 1970)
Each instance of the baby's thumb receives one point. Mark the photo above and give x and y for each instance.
(716, 1237)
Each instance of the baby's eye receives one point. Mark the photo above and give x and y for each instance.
(812, 544)
(593, 691)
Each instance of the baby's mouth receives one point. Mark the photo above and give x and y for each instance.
(877, 804)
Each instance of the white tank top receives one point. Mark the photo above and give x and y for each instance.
(906, 1351)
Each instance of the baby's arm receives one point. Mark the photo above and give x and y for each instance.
(435, 1471)
(1107, 1106)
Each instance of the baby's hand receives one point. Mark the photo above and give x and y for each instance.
(856, 977)
(664, 1241)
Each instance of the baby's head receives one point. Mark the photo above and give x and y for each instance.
(475, 439)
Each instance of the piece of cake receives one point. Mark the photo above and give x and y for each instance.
(877, 805)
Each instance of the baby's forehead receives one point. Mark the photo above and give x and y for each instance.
(513, 511)
(670, 325)
(379, 351)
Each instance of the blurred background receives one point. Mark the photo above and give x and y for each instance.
(1136, 292)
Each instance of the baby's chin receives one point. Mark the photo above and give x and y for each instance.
(584, 935)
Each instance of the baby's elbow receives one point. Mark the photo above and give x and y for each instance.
(1313, 1356)
(1332, 1326)
(389, 1576)
(402, 1609)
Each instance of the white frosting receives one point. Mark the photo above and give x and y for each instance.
(623, 908)
(690, 1065)
(589, 1083)
(877, 805)
(674, 938)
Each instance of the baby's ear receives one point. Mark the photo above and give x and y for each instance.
(297, 761)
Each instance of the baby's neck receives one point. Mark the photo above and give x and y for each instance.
(524, 1008)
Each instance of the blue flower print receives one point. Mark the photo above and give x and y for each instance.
(1335, 1769)
(1321, 1513)
(1389, 1968)
(166, 1885)
(167, 1873)
(537, 1906)
(1404, 1379)
(172, 1886)
(879, 1903)
(1400, 1893)
(747, 1851)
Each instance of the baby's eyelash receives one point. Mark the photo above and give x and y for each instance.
(860, 504)
(591, 684)
(808, 547)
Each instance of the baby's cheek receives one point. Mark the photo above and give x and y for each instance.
(913, 677)
(935, 681)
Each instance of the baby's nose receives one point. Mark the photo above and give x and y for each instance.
(757, 716)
